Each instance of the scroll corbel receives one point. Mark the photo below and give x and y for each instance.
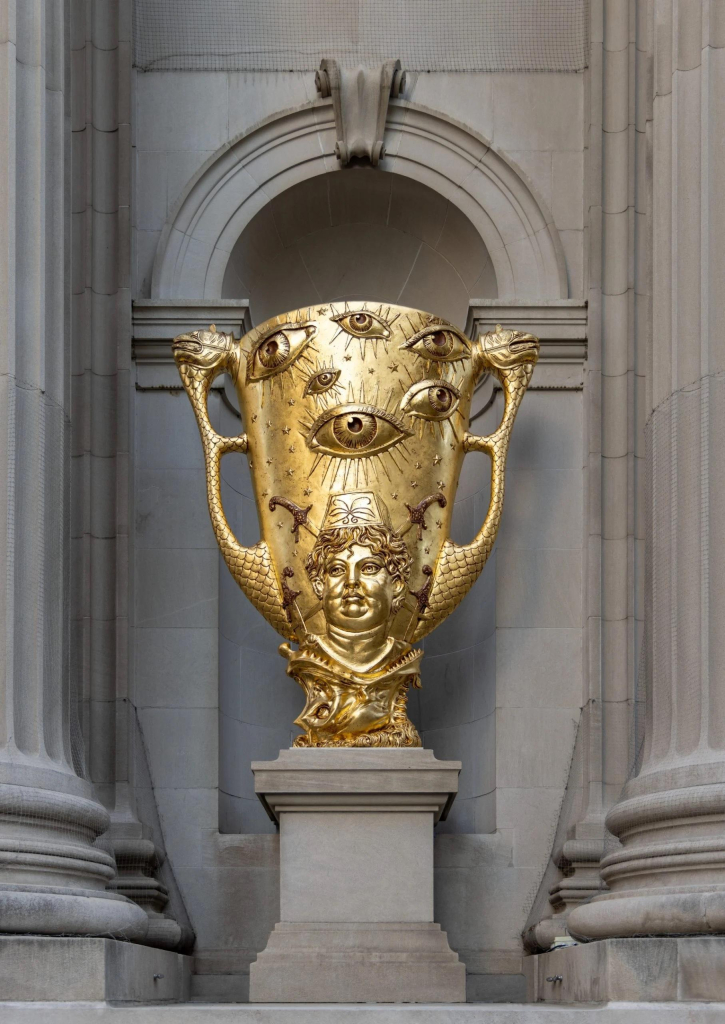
(360, 99)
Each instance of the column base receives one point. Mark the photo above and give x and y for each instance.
(53, 878)
(47, 910)
(38, 969)
(357, 963)
(689, 911)
(630, 970)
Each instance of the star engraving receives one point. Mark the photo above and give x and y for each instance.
(440, 484)
(268, 424)
(254, 418)
(290, 401)
(427, 550)
(413, 484)
(394, 495)
(290, 472)
(322, 310)
(451, 445)
(307, 492)
(393, 367)
(286, 430)
(268, 461)
(419, 465)
(436, 459)
(291, 449)
(280, 525)
(265, 493)
(371, 370)
(347, 358)
(439, 523)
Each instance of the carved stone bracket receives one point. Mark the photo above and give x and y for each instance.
(360, 98)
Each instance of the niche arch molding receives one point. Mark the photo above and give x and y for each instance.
(240, 178)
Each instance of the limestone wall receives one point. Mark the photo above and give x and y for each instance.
(502, 677)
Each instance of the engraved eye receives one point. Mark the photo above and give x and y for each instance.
(363, 324)
(273, 351)
(354, 431)
(321, 382)
(277, 350)
(439, 343)
(431, 400)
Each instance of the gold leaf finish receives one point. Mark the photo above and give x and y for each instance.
(356, 418)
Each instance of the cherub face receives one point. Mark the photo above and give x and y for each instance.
(358, 591)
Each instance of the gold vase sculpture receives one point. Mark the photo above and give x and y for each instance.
(356, 425)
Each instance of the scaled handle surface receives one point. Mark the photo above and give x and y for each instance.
(201, 356)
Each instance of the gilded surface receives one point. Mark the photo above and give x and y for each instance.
(356, 418)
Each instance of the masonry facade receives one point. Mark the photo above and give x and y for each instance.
(581, 683)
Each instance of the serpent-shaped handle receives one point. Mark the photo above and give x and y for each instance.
(511, 356)
(201, 357)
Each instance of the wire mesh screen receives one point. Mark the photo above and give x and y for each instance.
(427, 35)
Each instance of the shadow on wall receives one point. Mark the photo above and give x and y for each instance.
(360, 234)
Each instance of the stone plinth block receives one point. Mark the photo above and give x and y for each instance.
(686, 969)
(69, 969)
(356, 878)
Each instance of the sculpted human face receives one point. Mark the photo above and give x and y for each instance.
(358, 590)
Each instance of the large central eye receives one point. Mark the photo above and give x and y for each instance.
(363, 324)
(439, 343)
(354, 431)
(277, 350)
(321, 382)
(431, 400)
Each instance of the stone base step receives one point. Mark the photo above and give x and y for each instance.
(67, 969)
(481, 1013)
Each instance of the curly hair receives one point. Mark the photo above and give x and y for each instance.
(380, 539)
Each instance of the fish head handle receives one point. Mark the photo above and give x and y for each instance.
(511, 357)
(201, 356)
(504, 349)
(207, 353)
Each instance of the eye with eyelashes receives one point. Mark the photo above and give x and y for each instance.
(431, 400)
(439, 343)
(278, 349)
(355, 431)
(322, 381)
(363, 324)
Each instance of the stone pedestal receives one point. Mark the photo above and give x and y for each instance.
(356, 878)
(36, 969)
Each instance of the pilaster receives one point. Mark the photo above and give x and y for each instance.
(101, 79)
(669, 876)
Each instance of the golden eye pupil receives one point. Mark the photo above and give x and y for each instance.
(439, 343)
(440, 399)
(355, 430)
(361, 320)
(274, 351)
(324, 379)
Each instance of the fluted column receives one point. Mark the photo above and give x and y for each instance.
(669, 876)
(52, 878)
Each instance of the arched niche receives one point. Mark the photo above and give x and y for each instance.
(445, 219)
(360, 235)
(457, 164)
